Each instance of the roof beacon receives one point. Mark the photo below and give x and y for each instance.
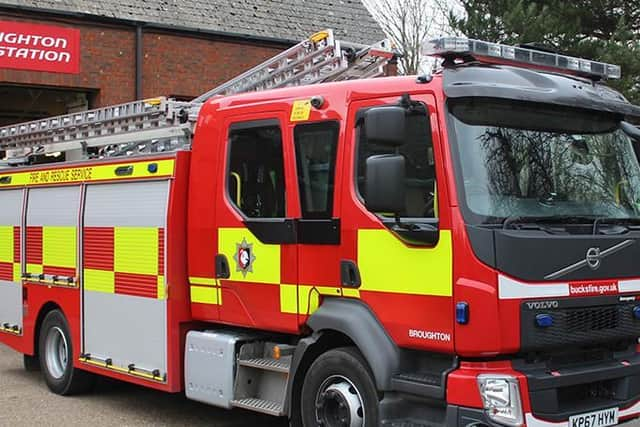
(459, 47)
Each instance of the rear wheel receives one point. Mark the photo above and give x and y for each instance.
(339, 391)
(30, 363)
(56, 357)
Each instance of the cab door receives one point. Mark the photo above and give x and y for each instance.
(256, 230)
(404, 278)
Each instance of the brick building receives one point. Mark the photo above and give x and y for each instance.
(64, 56)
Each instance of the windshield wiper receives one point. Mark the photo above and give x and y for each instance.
(616, 225)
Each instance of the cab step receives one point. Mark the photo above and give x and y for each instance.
(259, 405)
(274, 365)
(419, 383)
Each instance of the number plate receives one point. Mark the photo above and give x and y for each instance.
(604, 418)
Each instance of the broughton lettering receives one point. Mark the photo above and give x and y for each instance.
(429, 335)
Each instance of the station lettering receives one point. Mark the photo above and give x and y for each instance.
(60, 175)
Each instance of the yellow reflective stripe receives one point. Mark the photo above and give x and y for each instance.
(265, 266)
(136, 250)
(34, 269)
(17, 272)
(387, 265)
(10, 330)
(351, 292)
(289, 299)
(89, 173)
(304, 299)
(204, 295)
(207, 281)
(99, 281)
(121, 369)
(59, 246)
(162, 290)
(6, 243)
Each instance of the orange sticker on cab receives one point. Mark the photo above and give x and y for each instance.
(301, 110)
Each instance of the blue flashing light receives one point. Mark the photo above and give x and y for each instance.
(544, 320)
(152, 167)
(462, 313)
(636, 312)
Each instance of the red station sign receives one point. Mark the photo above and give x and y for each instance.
(25, 46)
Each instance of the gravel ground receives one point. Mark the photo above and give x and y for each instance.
(26, 401)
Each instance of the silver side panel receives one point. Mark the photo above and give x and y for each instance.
(126, 329)
(53, 206)
(139, 204)
(210, 367)
(10, 291)
(10, 207)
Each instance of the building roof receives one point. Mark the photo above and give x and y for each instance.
(290, 20)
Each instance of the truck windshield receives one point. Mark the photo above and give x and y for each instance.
(522, 160)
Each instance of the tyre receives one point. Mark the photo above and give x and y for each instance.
(30, 363)
(56, 357)
(339, 391)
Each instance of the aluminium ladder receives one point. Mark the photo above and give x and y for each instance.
(162, 124)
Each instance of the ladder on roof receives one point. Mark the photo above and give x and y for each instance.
(161, 124)
(320, 58)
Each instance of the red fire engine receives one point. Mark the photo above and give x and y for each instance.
(455, 249)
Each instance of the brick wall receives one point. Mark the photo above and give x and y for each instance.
(173, 63)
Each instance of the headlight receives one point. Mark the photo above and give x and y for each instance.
(501, 399)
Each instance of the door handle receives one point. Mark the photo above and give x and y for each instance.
(222, 267)
(350, 274)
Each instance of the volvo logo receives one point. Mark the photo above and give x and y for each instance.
(539, 305)
(593, 258)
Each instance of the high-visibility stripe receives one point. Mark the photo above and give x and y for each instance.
(34, 246)
(140, 285)
(161, 290)
(16, 244)
(17, 272)
(265, 263)
(120, 369)
(204, 295)
(304, 299)
(35, 269)
(59, 246)
(6, 243)
(388, 265)
(6, 271)
(78, 174)
(513, 289)
(136, 250)
(208, 281)
(98, 248)
(99, 281)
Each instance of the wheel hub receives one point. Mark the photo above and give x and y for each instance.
(339, 404)
(56, 352)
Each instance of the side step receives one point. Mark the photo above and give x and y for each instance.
(237, 370)
(279, 365)
(259, 405)
(419, 383)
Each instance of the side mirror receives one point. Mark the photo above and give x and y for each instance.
(632, 131)
(385, 125)
(385, 184)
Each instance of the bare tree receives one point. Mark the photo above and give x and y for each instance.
(408, 23)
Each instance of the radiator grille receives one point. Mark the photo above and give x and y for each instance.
(579, 326)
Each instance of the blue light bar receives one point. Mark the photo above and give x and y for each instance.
(499, 53)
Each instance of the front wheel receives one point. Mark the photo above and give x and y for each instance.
(339, 391)
(56, 357)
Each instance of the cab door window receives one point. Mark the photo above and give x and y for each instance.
(417, 150)
(316, 145)
(256, 184)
